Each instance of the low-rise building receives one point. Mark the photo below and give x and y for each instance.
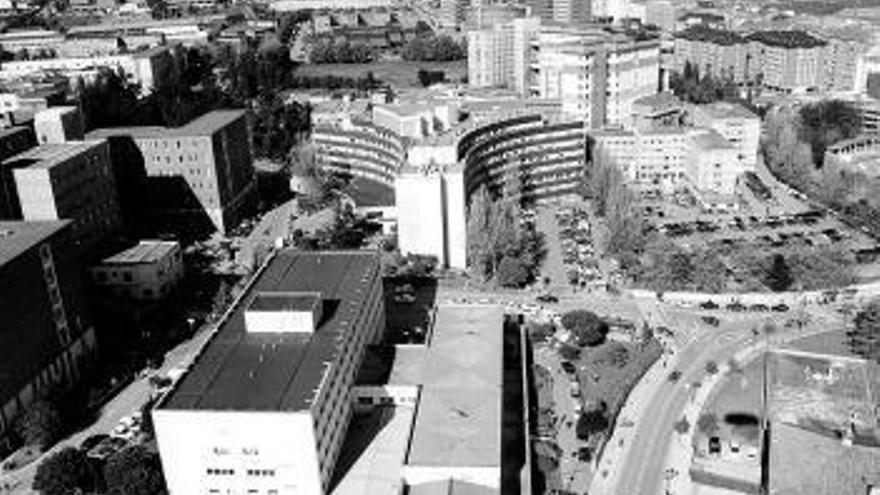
(736, 124)
(148, 271)
(46, 334)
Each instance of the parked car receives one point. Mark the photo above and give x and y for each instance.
(674, 376)
(547, 298)
(711, 320)
(759, 307)
(736, 307)
(405, 298)
(714, 445)
(568, 367)
(709, 305)
(781, 307)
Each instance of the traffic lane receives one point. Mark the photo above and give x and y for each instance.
(644, 465)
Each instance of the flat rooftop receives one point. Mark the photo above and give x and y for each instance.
(18, 237)
(803, 462)
(727, 110)
(47, 156)
(242, 371)
(711, 140)
(458, 421)
(144, 253)
(205, 125)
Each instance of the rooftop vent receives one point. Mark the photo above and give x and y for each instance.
(284, 312)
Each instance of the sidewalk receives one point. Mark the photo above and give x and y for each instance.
(680, 452)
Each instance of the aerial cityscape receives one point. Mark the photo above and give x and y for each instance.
(439, 247)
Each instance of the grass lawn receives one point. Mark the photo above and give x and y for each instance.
(600, 381)
(398, 74)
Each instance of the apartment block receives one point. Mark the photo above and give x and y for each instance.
(59, 124)
(718, 53)
(359, 148)
(73, 181)
(13, 140)
(597, 75)
(652, 162)
(499, 55)
(266, 405)
(148, 271)
(46, 335)
(198, 177)
(790, 61)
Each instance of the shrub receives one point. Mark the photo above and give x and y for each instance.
(682, 426)
(591, 422)
(711, 367)
(40, 424)
(708, 423)
(586, 326)
(613, 354)
(570, 352)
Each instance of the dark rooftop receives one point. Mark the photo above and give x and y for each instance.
(786, 39)
(237, 370)
(205, 125)
(710, 35)
(18, 237)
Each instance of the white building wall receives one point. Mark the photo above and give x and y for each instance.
(420, 214)
(193, 442)
(456, 219)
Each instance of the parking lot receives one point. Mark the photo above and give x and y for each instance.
(811, 228)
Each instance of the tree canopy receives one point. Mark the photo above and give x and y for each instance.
(134, 471)
(587, 328)
(864, 339)
(40, 424)
(62, 473)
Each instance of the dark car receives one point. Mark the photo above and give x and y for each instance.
(547, 298)
(736, 307)
(714, 445)
(780, 308)
(568, 367)
(759, 307)
(709, 305)
(711, 320)
(674, 376)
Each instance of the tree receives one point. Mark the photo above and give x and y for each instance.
(707, 424)
(827, 122)
(40, 424)
(570, 352)
(62, 473)
(682, 426)
(134, 471)
(479, 247)
(540, 332)
(587, 328)
(430, 77)
(711, 367)
(778, 277)
(864, 339)
(512, 272)
(592, 421)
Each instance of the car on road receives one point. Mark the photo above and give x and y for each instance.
(736, 307)
(709, 305)
(781, 308)
(759, 308)
(568, 367)
(674, 376)
(547, 298)
(711, 320)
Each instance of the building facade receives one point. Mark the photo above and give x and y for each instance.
(500, 55)
(13, 141)
(199, 177)
(266, 405)
(146, 272)
(735, 123)
(359, 148)
(73, 181)
(47, 334)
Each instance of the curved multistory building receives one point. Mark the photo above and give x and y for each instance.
(547, 155)
(359, 148)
